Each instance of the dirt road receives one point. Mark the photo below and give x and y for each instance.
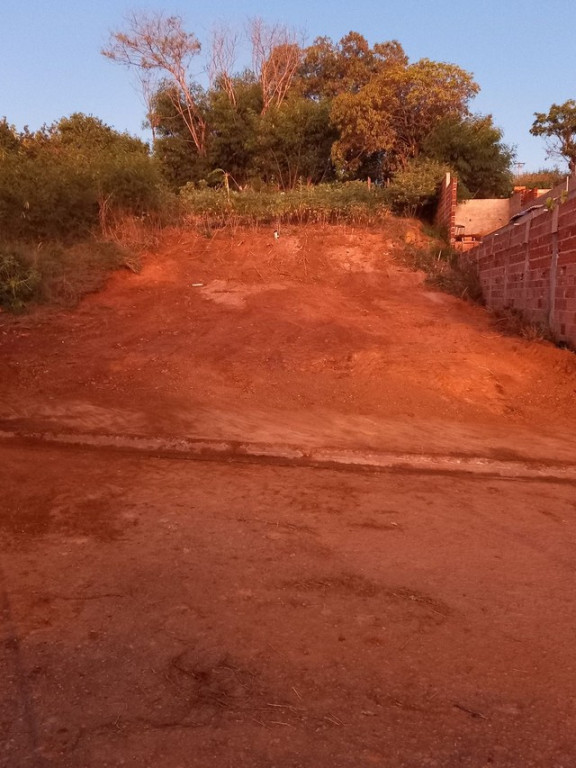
(277, 503)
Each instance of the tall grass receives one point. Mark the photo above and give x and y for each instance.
(56, 273)
(445, 269)
(352, 203)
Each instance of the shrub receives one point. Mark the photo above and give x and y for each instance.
(415, 187)
(445, 269)
(19, 280)
(546, 178)
(56, 184)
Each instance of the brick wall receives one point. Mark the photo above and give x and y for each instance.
(446, 211)
(530, 265)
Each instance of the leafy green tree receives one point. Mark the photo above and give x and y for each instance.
(64, 176)
(9, 139)
(392, 115)
(118, 165)
(415, 186)
(234, 127)
(472, 148)
(294, 143)
(329, 69)
(558, 125)
(84, 136)
(174, 148)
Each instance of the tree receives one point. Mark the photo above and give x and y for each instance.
(234, 126)
(223, 59)
(65, 179)
(161, 51)
(559, 126)
(86, 136)
(472, 147)
(415, 187)
(294, 142)
(9, 140)
(329, 69)
(276, 57)
(395, 111)
(174, 147)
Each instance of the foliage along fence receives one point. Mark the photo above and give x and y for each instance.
(530, 264)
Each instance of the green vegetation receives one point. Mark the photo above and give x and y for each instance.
(19, 280)
(330, 111)
(62, 182)
(472, 148)
(352, 203)
(445, 269)
(558, 125)
(545, 178)
(62, 191)
(326, 133)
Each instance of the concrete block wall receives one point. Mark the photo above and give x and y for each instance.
(530, 265)
(446, 211)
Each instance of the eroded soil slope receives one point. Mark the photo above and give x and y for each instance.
(317, 338)
(163, 612)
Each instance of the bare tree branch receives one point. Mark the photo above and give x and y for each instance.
(223, 59)
(159, 48)
(276, 56)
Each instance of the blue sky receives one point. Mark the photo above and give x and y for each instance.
(521, 52)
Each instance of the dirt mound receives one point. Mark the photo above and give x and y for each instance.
(159, 608)
(317, 336)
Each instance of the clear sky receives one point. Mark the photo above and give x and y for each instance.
(521, 52)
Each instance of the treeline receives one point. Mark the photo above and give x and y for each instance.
(61, 190)
(60, 181)
(331, 111)
(334, 131)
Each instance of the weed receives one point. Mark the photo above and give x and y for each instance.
(68, 273)
(57, 274)
(445, 269)
(511, 322)
(19, 279)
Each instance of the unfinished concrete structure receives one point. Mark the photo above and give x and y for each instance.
(467, 222)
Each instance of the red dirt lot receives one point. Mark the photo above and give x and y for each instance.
(281, 504)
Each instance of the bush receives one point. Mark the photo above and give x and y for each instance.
(19, 280)
(415, 187)
(57, 273)
(546, 178)
(445, 269)
(56, 184)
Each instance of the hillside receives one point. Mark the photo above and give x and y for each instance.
(278, 502)
(318, 338)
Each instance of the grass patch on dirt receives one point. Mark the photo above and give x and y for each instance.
(511, 322)
(57, 273)
(445, 269)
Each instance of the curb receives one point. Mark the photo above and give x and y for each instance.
(200, 449)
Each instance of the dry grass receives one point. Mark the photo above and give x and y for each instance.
(444, 270)
(511, 322)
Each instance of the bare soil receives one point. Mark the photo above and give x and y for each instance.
(162, 610)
